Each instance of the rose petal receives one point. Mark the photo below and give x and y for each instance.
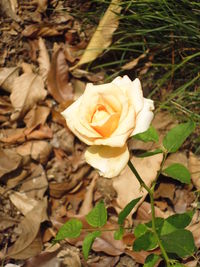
(144, 118)
(72, 119)
(133, 90)
(109, 161)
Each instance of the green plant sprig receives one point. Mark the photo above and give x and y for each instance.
(167, 234)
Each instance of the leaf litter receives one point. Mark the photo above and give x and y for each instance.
(44, 178)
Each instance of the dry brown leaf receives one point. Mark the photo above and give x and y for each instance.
(12, 182)
(43, 59)
(9, 9)
(36, 30)
(9, 161)
(42, 5)
(21, 135)
(165, 190)
(6, 222)
(36, 116)
(126, 184)
(25, 246)
(38, 150)
(134, 62)
(64, 140)
(58, 78)
(28, 89)
(23, 203)
(102, 37)
(26, 67)
(57, 190)
(70, 257)
(7, 77)
(178, 157)
(87, 202)
(194, 167)
(195, 229)
(104, 261)
(37, 182)
(144, 212)
(108, 244)
(44, 259)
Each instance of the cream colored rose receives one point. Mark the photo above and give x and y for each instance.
(104, 117)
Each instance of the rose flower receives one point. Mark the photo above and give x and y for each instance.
(104, 117)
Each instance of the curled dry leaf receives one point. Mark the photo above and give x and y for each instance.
(42, 5)
(43, 30)
(9, 161)
(21, 135)
(128, 187)
(194, 167)
(43, 59)
(87, 202)
(36, 116)
(38, 150)
(28, 89)
(23, 203)
(8, 7)
(57, 190)
(58, 78)
(178, 157)
(29, 243)
(37, 181)
(7, 77)
(134, 63)
(102, 37)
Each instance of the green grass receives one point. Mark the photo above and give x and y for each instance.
(170, 31)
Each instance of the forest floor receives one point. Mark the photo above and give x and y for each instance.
(44, 178)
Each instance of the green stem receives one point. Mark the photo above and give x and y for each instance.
(151, 193)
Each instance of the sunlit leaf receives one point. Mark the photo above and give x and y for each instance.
(178, 172)
(126, 211)
(97, 217)
(88, 241)
(150, 135)
(71, 229)
(180, 242)
(151, 260)
(177, 135)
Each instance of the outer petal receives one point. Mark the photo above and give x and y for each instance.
(109, 161)
(133, 90)
(72, 119)
(144, 118)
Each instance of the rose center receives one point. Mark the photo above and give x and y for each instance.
(100, 114)
(104, 121)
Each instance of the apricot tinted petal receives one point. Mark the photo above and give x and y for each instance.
(109, 161)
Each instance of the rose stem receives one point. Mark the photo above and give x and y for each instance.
(151, 192)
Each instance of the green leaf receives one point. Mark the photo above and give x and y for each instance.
(150, 153)
(158, 224)
(150, 135)
(125, 212)
(176, 221)
(178, 172)
(145, 242)
(151, 260)
(88, 241)
(180, 242)
(97, 217)
(177, 135)
(140, 230)
(70, 229)
(119, 233)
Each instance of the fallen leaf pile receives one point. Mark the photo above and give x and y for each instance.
(44, 179)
